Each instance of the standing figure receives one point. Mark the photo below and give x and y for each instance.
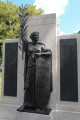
(38, 74)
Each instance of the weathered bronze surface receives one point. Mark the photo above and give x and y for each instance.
(38, 74)
(68, 70)
(38, 111)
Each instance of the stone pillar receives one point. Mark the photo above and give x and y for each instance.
(12, 73)
(46, 26)
(68, 107)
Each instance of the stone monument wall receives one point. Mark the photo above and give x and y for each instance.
(46, 26)
(65, 97)
(13, 95)
(68, 100)
(12, 75)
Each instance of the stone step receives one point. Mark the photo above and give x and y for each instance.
(33, 116)
(3, 119)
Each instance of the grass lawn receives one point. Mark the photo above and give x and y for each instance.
(0, 85)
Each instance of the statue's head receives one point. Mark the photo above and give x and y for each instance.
(34, 36)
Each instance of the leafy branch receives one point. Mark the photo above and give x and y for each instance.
(23, 28)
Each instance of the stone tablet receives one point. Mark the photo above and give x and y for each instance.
(68, 70)
(10, 73)
(43, 80)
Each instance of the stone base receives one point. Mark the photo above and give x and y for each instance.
(33, 116)
(62, 115)
(3, 119)
(55, 115)
(9, 112)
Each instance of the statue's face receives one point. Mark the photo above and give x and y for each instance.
(35, 38)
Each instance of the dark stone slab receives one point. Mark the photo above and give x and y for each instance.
(68, 70)
(10, 72)
(37, 111)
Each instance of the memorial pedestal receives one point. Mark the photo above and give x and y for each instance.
(8, 112)
(33, 116)
(67, 115)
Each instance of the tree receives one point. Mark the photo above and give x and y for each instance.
(33, 11)
(78, 32)
(9, 21)
(9, 18)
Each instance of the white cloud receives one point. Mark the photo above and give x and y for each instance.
(52, 6)
(61, 33)
(76, 31)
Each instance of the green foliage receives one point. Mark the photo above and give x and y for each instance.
(33, 11)
(78, 32)
(9, 19)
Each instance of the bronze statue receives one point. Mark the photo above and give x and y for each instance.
(38, 67)
(38, 74)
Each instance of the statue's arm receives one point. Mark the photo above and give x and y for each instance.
(45, 49)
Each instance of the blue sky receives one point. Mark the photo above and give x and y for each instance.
(70, 20)
(68, 11)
